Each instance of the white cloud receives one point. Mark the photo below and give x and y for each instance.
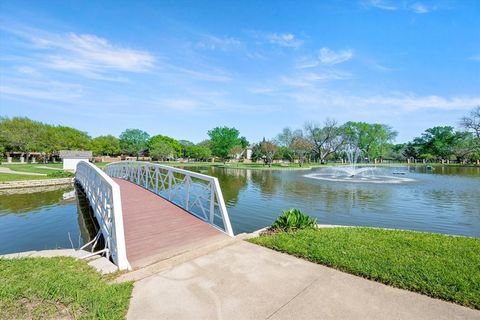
(311, 79)
(94, 54)
(380, 4)
(42, 90)
(210, 42)
(327, 56)
(419, 8)
(399, 101)
(285, 40)
(85, 54)
(416, 7)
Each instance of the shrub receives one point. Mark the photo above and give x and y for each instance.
(60, 174)
(293, 219)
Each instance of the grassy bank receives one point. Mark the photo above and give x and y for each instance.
(58, 288)
(440, 266)
(35, 168)
(7, 177)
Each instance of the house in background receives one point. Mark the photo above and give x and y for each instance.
(72, 157)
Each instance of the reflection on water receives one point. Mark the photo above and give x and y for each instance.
(445, 199)
(37, 219)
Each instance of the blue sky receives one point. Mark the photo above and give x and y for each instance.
(181, 68)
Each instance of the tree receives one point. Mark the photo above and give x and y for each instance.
(372, 139)
(464, 145)
(106, 146)
(161, 150)
(185, 144)
(410, 152)
(198, 152)
(222, 140)
(301, 147)
(436, 142)
(71, 139)
(472, 122)
(285, 138)
(243, 142)
(25, 136)
(21, 135)
(174, 144)
(395, 151)
(134, 141)
(236, 151)
(326, 139)
(268, 149)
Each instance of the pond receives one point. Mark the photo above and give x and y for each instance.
(444, 200)
(44, 218)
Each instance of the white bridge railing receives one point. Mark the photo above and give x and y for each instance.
(196, 193)
(104, 196)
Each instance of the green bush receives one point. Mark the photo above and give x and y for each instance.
(60, 174)
(293, 219)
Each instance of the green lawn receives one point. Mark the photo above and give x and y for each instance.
(58, 288)
(34, 167)
(441, 266)
(6, 177)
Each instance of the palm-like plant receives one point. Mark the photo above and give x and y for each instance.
(293, 219)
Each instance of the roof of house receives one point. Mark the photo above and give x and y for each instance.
(75, 154)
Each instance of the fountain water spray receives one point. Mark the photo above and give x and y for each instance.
(352, 172)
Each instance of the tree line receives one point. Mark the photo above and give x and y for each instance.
(319, 142)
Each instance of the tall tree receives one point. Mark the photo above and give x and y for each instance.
(301, 147)
(372, 139)
(134, 141)
(236, 151)
(410, 152)
(436, 142)
(464, 144)
(326, 139)
(106, 145)
(222, 140)
(198, 152)
(161, 150)
(174, 144)
(472, 122)
(268, 149)
(21, 135)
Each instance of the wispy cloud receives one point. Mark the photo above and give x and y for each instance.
(397, 101)
(85, 54)
(42, 90)
(327, 56)
(416, 7)
(380, 4)
(285, 40)
(211, 42)
(420, 8)
(311, 79)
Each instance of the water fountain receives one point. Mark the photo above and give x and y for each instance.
(353, 172)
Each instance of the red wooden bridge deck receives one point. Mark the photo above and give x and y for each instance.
(156, 229)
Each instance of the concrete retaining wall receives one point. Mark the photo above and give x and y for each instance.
(35, 183)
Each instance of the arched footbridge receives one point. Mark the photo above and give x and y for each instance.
(148, 211)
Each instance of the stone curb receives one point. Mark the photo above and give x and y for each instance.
(35, 183)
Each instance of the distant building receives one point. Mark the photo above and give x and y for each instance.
(72, 157)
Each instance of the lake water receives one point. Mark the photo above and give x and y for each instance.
(445, 200)
(43, 219)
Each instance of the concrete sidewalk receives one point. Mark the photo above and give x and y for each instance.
(245, 281)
